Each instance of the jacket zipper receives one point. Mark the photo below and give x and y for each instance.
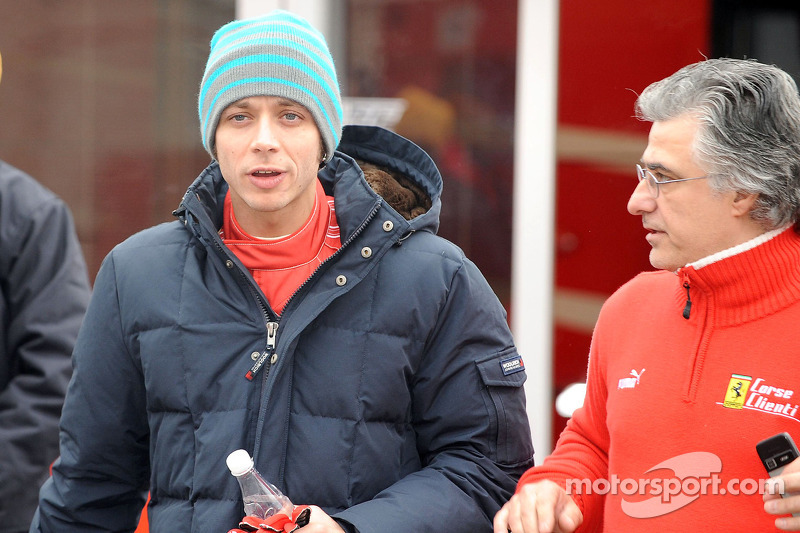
(272, 332)
(272, 335)
(272, 324)
(687, 309)
(355, 234)
(701, 346)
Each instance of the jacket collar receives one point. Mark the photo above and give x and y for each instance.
(761, 278)
(730, 252)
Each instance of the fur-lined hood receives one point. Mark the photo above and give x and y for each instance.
(398, 171)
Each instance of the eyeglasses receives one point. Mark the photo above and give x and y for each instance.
(653, 183)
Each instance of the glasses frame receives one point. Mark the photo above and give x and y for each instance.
(653, 184)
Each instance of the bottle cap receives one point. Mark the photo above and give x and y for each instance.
(239, 462)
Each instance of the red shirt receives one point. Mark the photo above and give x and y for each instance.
(281, 265)
(675, 406)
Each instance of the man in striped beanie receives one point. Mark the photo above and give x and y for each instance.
(301, 308)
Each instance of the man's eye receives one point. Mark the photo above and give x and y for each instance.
(291, 116)
(238, 118)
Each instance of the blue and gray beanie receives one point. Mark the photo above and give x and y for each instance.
(279, 54)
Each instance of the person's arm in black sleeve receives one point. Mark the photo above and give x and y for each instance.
(45, 290)
(100, 481)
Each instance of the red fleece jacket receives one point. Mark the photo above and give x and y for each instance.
(675, 405)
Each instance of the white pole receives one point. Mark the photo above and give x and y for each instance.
(316, 12)
(534, 209)
(328, 16)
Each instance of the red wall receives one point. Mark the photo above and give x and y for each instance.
(609, 51)
(611, 48)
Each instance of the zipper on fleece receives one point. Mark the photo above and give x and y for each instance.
(687, 309)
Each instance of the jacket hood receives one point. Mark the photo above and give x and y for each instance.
(414, 188)
(387, 149)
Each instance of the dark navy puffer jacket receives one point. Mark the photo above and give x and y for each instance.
(382, 398)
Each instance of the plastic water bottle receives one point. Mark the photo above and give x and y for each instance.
(261, 498)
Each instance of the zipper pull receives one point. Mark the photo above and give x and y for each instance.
(688, 308)
(272, 332)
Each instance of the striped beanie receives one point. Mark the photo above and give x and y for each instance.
(279, 54)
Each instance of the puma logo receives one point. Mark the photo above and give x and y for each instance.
(629, 383)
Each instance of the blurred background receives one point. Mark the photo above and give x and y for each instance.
(526, 105)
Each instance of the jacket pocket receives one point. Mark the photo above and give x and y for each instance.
(503, 375)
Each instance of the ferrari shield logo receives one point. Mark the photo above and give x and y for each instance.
(737, 391)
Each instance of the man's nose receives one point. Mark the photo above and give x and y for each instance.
(264, 138)
(641, 200)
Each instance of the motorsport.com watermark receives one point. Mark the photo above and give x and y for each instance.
(695, 475)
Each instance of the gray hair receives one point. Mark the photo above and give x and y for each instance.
(749, 135)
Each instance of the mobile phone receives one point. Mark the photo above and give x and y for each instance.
(776, 452)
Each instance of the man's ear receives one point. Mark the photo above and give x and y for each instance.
(743, 203)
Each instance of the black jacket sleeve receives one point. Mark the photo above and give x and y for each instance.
(44, 291)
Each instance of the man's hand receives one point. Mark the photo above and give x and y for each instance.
(317, 522)
(321, 523)
(542, 507)
(788, 483)
(277, 523)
